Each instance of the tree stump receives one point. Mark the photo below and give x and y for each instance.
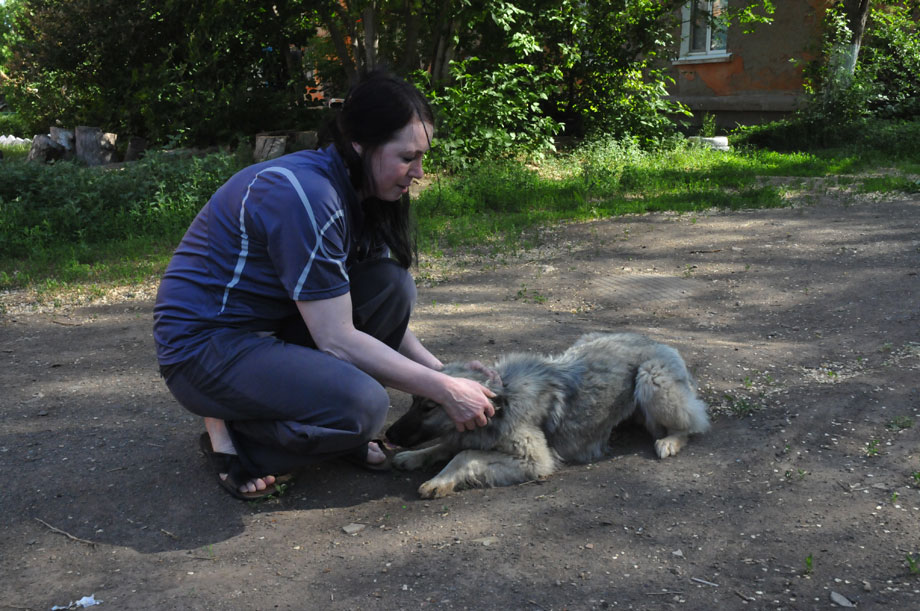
(304, 140)
(95, 147)
(268, 146)
(64, 137)
(44, 149)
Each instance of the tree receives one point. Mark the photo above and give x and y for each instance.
(207, 70)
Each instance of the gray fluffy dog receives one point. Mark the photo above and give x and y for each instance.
(554, 410)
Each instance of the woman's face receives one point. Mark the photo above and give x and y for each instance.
(397, 163)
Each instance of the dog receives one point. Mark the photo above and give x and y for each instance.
(552, 410)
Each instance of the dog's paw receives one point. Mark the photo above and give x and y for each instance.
(670, 445)
(433, 489)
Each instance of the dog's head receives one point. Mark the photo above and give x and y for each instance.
(427, 420)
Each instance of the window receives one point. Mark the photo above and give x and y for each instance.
(703, 32)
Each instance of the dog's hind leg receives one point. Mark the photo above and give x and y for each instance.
(667, 398)
(482, 469)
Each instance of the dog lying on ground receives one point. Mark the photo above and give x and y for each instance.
(554, 410)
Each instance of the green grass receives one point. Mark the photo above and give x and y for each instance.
(64, 226)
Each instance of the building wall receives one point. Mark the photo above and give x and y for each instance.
(762, 79)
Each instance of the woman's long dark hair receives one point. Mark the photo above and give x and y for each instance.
(373, 111)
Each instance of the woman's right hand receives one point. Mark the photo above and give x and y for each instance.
(467, 403)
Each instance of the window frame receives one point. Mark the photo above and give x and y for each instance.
(688, 56)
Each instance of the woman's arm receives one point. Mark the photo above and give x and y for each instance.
(413, 349)
(330, 324)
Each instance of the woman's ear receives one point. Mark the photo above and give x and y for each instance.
(358, 148)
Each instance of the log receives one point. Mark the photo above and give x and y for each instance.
(95, 147)
(268, 146)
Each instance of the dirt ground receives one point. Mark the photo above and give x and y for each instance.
(801, 324)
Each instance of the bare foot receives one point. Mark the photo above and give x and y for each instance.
(221, 442)
(375, 454)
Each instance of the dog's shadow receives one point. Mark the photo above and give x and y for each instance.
(631, 439)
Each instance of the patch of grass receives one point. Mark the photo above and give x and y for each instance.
(14, 152)
(889, 184)
(872, 447)
(62, 224)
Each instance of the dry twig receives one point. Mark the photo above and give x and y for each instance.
(66, 534)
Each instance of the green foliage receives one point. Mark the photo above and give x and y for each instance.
(493, 112)
(11, 124)
(205, 70)
(63, 223)
(44, 207)
(890, 60)
(808, 132)
(842, 107)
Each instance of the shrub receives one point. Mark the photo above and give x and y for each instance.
(46, 207)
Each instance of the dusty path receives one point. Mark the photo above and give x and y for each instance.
(802, 325)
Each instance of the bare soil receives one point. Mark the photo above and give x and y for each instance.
(801, 324)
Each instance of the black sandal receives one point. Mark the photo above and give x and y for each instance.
(236, 474)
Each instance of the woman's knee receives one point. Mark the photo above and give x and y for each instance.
(368, 407)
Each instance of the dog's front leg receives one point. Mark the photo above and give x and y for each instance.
(479, 469)
(410, 460)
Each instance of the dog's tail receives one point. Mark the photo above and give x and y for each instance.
(666, 394)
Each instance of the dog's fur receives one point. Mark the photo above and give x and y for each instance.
(554, 410)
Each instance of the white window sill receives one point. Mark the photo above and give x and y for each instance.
(703, 59)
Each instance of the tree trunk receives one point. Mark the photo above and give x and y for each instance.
(846, 55)
(369, 19)
(94, 147)
(409, 59)
(329, 12)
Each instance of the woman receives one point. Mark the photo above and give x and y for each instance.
(284, 311)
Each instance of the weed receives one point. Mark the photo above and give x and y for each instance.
(529, 296)
(900, 423)
(872, 448)
(740, 406)
(916, 477)
(809, 564)
(893, 498)
(913, 563)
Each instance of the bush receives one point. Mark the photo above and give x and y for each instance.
(890, 57)
(47, 207)
(11, 124)
(810, 133)
(492, 112)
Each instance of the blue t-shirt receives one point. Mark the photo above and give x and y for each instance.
(277, 232)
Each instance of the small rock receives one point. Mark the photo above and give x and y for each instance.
(353, 529)
(678, 553)
(867, 587)
(486, 541)
(841, 600)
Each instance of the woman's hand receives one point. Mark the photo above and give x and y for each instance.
(467, 403)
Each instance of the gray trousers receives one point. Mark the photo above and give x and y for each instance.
(286, 404)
